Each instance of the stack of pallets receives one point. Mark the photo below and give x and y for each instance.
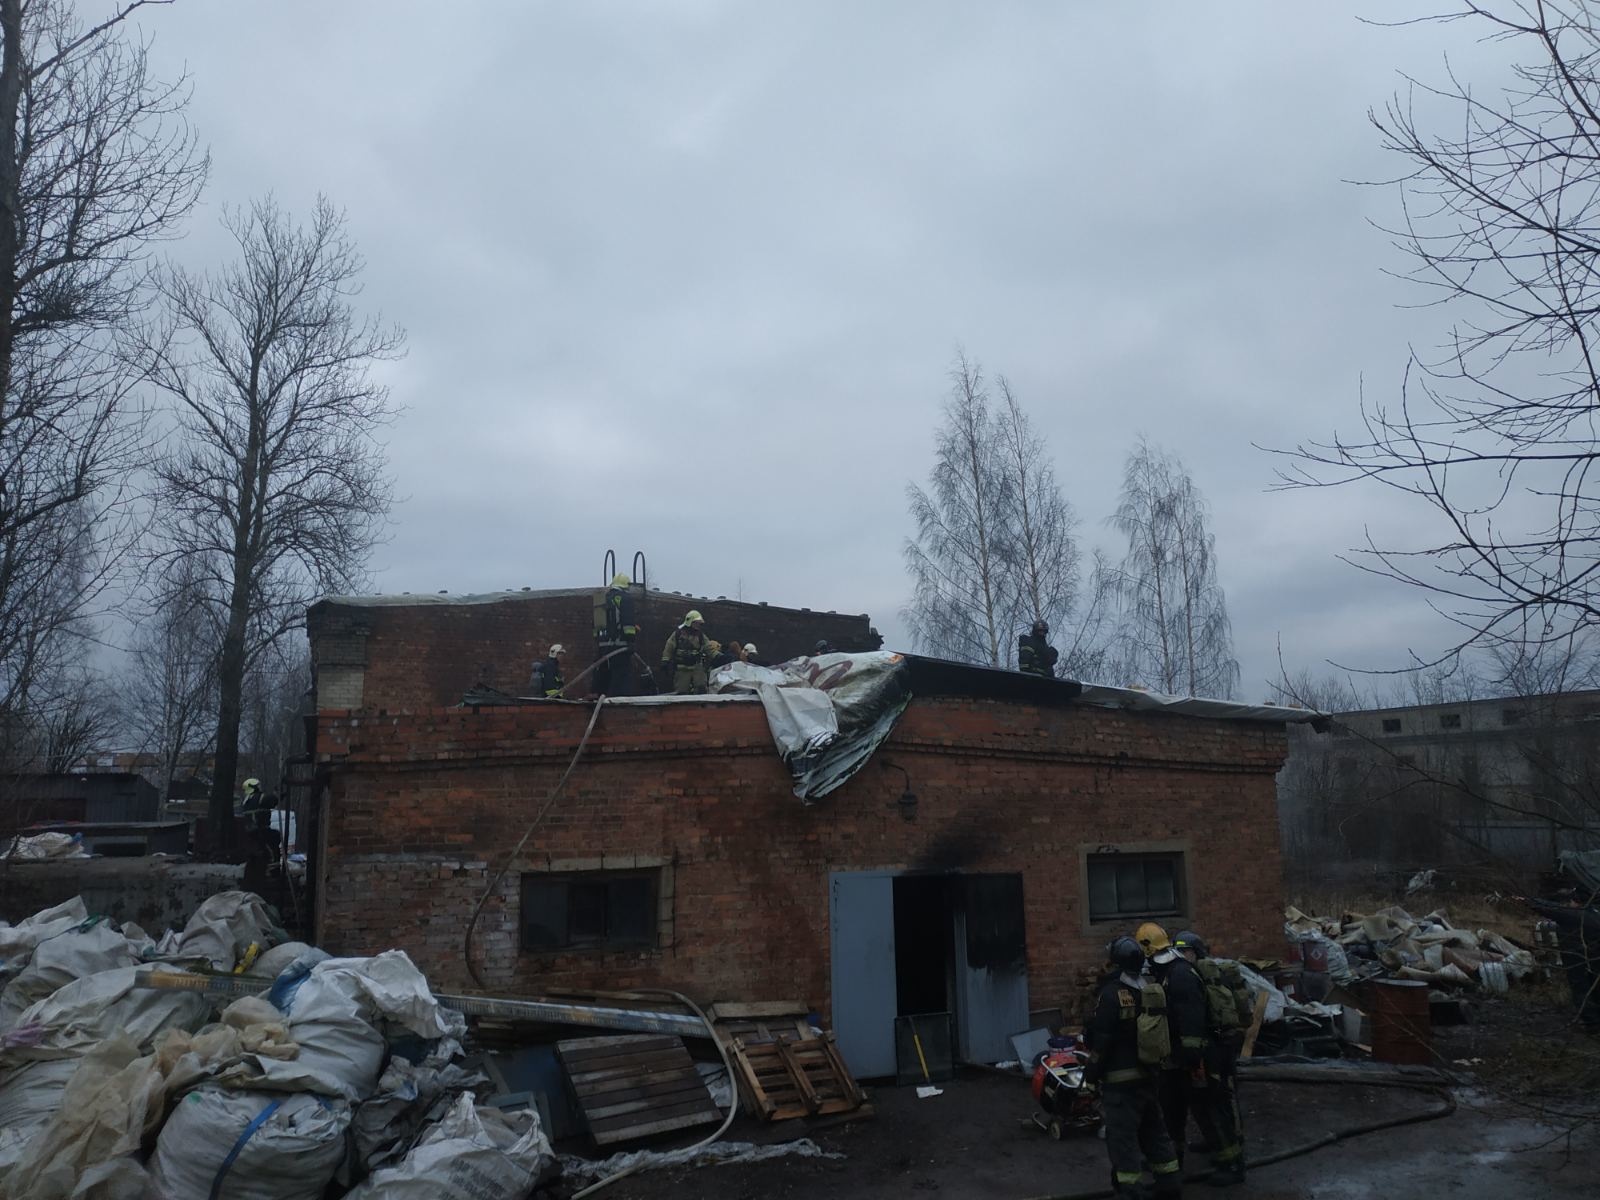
(785, 1069)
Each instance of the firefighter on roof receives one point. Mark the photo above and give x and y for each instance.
(684, 657)
(614, 636)
(1035, 654)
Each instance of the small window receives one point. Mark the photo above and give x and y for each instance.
(601, 909)
(1391, 724)
(1449, 720)
(1135, 885)
(1512, 716)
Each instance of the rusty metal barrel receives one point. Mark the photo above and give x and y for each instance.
(1402, 1031)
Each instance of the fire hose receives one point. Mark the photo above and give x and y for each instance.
(1295, 1073)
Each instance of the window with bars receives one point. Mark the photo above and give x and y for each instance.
(592, 910)
(1135, 885)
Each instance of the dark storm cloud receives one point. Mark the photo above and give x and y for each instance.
(687, 277)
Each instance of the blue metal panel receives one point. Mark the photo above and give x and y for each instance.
(861, 918)
(991, 999)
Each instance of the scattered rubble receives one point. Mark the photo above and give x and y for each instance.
(44, 845)
(1391, 942)
(225, 1060)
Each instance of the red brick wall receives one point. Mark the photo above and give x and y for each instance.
(419, 656)
(421, 808)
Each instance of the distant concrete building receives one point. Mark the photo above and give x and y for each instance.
(1501, 785)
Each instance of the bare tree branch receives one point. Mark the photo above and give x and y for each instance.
(274, 489)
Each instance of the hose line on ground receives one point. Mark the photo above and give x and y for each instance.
(555, 793)
(1446, 1106)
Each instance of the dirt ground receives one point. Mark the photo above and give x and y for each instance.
(1527, 1123)
(976, 1141)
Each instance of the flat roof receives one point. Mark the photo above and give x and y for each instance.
(444, 599)
(942, 677)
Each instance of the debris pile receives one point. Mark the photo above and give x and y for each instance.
(225, 1060)
(38, 846)
(1393, 943)
(132, 1065)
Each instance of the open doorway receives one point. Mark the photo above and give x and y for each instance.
(924, 981)
(905, 944)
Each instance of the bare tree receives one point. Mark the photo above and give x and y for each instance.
(1089, 645)
(1495, 432)
(1042, 566)
(82, 714)
(96, 165)
(172, 679)
(1175, 624)
(1325, 693)
(275, 487)
(960, 554)
(277, 687)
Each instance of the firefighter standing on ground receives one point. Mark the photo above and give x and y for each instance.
(1181, 1085)
(1228, 1006)
(1127, 1036)
(1035, 654)
(684, 657)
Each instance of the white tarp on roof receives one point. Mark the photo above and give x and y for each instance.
(1137, 699)
(827, 713)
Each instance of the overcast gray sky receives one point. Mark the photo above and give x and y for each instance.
(687, 277)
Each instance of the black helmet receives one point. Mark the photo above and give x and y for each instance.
(1041, 626)
(1124, 953)
(1188, 939)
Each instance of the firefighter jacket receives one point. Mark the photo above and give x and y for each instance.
(1186, 1007)
(1036, 656)
(686, 650)
(1112, 1034)
(553, 683)
(619, 616)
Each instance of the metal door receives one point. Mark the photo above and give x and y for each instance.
(991, 967)
(861, 919)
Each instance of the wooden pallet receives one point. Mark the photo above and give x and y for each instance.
(633, 1086)
(789, 1077)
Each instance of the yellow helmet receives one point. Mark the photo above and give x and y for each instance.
(621, 580)
(694, 615)
(1152, 938)
(251, 785)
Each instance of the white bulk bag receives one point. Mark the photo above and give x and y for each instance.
(472, 1154)
(248, 1146)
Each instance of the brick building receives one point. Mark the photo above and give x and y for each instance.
(402, 653)
(976, 865)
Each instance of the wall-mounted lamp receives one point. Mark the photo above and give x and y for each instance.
(907, 803)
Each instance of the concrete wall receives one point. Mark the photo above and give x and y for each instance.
(156, 893)
(1491, 789)
(421, 808)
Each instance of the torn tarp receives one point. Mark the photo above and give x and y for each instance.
(828, 713)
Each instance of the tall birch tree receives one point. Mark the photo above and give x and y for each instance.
(1175, 629)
